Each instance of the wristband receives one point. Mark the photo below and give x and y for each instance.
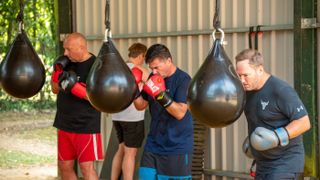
(283, 136)
(164, 99)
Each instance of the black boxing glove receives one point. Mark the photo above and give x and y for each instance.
(69, 83)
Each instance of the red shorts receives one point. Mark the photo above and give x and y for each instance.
(83, 147)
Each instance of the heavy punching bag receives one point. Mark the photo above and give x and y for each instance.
(22, 73)
(216, 96)
(111, 86)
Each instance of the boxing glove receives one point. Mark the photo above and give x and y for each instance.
(55, 76)
(246, 148)
(156, 87)
(79, 90)
(263, 139)
(60, 63)
(68, 83)
(137, 73)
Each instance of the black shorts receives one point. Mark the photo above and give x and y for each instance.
(154, 166)
(131, 133)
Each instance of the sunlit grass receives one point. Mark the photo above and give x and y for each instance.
(19, 158)
(48, 135)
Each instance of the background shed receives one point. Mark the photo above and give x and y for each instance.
(289, 41)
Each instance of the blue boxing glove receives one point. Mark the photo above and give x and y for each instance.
(263, 139)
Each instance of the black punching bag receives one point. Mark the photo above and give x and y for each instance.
(22, 73)
(216, 96)
(111, 86)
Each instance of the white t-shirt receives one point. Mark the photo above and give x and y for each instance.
(130, 114)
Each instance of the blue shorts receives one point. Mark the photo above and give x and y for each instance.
(165, 167)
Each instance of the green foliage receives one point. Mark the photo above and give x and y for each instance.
(39, 24)
(16, 158)
(25, 105)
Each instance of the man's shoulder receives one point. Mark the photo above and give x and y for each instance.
(182, 74)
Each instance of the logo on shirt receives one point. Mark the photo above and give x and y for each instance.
(300, 108)
(264, 104)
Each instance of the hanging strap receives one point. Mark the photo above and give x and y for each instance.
(107, 33)
(252, 171)
(20, 16)
(107, 15)
(216, 18)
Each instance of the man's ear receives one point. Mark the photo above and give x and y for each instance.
(260, 70)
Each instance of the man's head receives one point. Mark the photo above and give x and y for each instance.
(75, 47)
(159, 59)
(249, 66)
(137, 52)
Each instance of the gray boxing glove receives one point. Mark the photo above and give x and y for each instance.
(263, 139)
(246, 148)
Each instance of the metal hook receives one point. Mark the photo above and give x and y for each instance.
(107, 33)
(21, 26)
(222, 34)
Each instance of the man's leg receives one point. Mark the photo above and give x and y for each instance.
(117, 162)
(88, 171)
(147, 169)
(128, 164)
(133, 138)
(66, 170)
(66, 155)
(89, 149)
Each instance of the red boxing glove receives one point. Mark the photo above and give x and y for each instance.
(79, 90)
(155, 85)
(137, 73)
(156, 88)
(55, 76)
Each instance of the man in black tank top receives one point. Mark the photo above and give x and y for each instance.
(276, 120)
(78, 123)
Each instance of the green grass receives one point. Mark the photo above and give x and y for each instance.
(19, 158)
(48, 134)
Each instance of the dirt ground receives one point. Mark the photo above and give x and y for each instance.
(11, 123)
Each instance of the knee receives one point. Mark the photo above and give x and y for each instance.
(87, 168)
(65, 166)
(130, 151)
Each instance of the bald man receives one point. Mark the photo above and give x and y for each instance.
(78, 123)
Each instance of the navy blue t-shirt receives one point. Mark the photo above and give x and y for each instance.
(167, 135)
(75, 114)
(275, 105)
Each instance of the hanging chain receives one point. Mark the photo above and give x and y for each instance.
(216, 18)
(20, 16)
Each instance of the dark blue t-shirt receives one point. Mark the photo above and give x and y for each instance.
(167, 135)
(275, 105)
